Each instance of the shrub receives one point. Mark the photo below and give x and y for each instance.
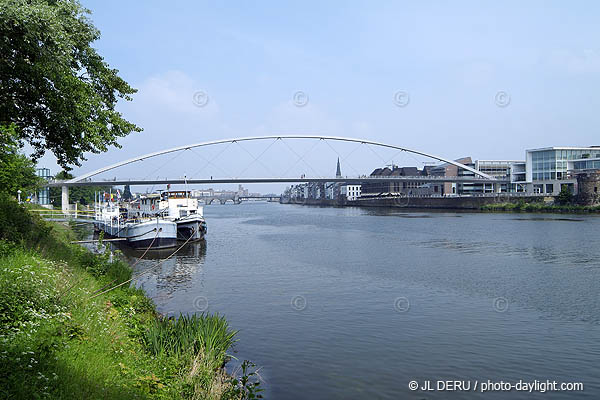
(565, 196)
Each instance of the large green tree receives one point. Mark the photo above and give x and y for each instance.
(54, 86)
(17, 171)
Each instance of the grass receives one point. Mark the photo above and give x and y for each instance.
(58, 342)
(540, 207)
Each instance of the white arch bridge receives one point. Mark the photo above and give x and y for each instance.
(88, 178)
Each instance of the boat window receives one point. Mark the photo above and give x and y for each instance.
(182, 213)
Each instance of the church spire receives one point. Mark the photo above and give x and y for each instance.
(338, 172)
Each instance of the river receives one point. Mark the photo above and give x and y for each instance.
(348, 303)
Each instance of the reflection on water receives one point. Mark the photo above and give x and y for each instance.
(531, 218)
(193, 251)
(161, 274)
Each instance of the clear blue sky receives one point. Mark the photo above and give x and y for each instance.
(350, 58)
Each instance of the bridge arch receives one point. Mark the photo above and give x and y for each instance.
(276, 137)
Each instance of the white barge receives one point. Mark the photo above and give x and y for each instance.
(175, 206)
(156, 232)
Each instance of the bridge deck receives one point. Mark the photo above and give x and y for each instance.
(134, 182)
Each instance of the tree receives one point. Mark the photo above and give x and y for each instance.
(565, 196)
(82, 194)
(54, 86)
(17, 171)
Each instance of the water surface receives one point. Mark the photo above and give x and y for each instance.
(347, 303)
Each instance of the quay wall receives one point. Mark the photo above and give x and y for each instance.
(456, 203)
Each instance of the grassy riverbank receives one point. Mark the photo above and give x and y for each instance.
(540, 207)
(59, 341)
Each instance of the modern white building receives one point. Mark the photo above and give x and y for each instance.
(548, 169)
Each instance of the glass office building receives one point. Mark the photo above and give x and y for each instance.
(584, 164)
(547, 168)
(43, 195)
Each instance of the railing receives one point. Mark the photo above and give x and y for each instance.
(71, 212)
(402, 196)
(498, 179)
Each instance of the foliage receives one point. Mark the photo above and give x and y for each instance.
(54, 86)
(565, 196)
(19, 226)
(203, 333)
(81, 194)
(247, 385)
(17, 171)
(58, 341)
(522, 206)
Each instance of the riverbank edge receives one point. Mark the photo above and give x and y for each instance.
(541, 208)
(468, 204)
(59, 341)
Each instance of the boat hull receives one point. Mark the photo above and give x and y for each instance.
(190, 228)
(156, 234)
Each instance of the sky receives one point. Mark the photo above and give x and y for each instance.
(480, 79)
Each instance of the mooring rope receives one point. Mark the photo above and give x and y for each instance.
(80, 279)
(148, 269)
(134, 264)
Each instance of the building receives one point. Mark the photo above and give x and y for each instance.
(512, 170)
(400, 187)
(350, 192)
(447, 169)
(319, 190)
(583, 165)
(43, 195)
(588, 184)
(547, 169)
(241, 191)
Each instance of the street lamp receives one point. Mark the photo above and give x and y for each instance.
(19, 195)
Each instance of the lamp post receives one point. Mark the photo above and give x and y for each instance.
(19, 196)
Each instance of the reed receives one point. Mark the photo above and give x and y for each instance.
(208, 335)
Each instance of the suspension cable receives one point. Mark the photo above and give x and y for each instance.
(342, 157)
(256, 159)
(210, 161)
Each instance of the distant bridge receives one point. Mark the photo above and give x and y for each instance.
(268, 198)
(235, 198)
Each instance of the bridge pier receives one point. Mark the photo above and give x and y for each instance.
(65, 199)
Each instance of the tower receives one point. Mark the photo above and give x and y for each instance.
(338, 172)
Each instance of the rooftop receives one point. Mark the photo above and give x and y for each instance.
(564, 148)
